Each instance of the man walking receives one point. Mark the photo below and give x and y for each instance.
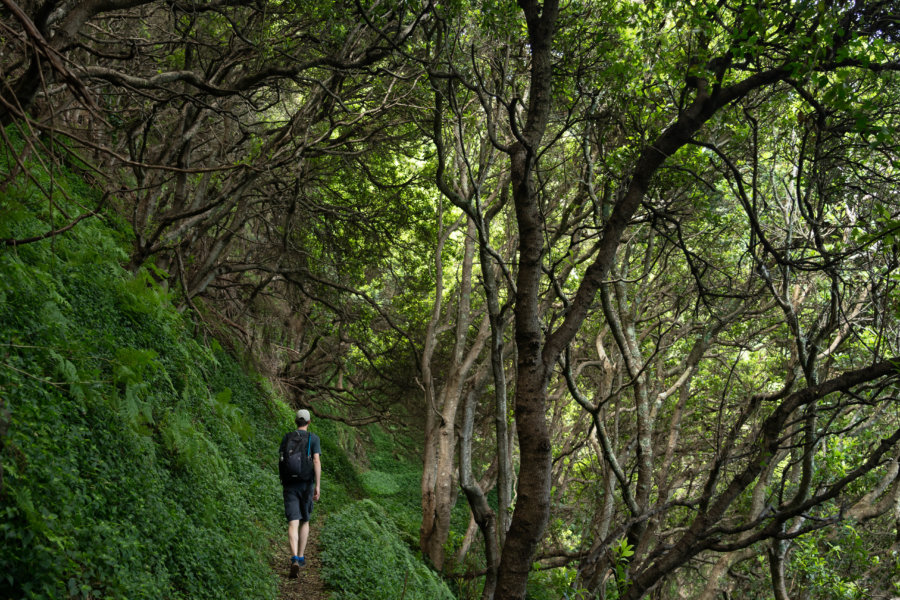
(300, 470)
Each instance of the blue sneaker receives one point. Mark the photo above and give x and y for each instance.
(296, 563)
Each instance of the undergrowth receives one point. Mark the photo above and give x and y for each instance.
(371, 546)
(137, 462)
(365, 559)
(341, 484)
(394, 482)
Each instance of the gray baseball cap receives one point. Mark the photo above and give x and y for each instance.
(303, 414)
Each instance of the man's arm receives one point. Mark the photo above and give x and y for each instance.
(317, 467)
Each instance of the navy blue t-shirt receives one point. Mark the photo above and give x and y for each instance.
(315, 446)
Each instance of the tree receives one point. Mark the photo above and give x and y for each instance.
(733, 57)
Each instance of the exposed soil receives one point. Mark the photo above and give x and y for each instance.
(308, 585)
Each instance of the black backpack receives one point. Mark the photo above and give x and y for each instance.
(295, 464)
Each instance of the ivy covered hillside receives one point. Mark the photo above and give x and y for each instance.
(137, 459)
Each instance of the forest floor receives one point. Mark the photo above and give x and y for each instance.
(309, 585)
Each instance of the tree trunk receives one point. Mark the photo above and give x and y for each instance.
(481, 511)
(504, 474)
(438, 484)
(429, 466)
(532, 510)
(776, 552)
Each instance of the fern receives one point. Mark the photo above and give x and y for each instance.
(231, 415)
(192, 449)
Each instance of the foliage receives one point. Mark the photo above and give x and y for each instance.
(623, 551)
(555, 584)
(343, 482)
(364, 558)
(816, 558)
(138, 461)
(378, 483)
(404, 501)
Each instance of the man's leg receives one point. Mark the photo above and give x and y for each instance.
(293, 526)
(292, 537)
(304, 535)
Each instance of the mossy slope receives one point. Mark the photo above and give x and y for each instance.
(138, 461)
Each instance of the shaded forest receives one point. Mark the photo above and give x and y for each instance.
(621, 276)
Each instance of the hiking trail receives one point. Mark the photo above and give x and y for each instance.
(309, 584)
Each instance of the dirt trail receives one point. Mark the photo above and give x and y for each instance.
(309, 585)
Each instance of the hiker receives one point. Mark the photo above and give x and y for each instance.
(300, 470)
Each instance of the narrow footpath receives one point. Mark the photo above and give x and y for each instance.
(309, 585)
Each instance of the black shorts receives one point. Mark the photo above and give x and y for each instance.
(298, 501)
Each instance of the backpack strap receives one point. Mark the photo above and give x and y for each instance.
(285, 442)
(292, 440)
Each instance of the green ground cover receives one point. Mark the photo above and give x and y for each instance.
(138, 461)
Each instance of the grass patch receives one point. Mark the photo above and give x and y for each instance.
(365, 558)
